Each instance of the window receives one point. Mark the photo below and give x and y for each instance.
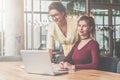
(36, 23)
(2, 27)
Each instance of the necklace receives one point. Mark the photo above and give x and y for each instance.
(85, 38)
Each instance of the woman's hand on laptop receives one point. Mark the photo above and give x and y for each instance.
(66, 65)
(69, 66)
(61, 64)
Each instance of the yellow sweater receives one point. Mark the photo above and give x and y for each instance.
(54, 33)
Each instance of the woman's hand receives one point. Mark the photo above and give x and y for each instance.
(66, 65)
(69, 66)
(61, 64)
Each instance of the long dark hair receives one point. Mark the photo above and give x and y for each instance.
(90, 21)
(58, 6)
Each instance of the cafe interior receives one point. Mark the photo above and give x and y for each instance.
(24, 25)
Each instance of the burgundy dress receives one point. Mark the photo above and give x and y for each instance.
(85, 58)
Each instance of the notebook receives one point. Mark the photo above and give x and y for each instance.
(38, 62)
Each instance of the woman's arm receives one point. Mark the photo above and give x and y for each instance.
(50, 53)
(50, 41)
(68, 58)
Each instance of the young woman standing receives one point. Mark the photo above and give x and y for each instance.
(63, 30)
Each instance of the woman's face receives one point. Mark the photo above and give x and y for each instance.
(55, 15)
(83, 28)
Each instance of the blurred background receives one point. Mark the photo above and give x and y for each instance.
(24, 24)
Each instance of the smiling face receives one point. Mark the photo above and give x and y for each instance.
(83, 28)
(56, 16)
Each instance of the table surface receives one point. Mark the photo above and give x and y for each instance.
(13, 71)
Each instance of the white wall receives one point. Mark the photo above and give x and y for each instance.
(14, 26)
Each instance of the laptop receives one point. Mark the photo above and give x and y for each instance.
(39, 62)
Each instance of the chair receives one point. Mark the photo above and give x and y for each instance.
(10, 58)
(108, 64)
(118, 67)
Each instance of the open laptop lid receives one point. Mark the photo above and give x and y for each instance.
(37, 61)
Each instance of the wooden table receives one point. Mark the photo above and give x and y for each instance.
(13, 71)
